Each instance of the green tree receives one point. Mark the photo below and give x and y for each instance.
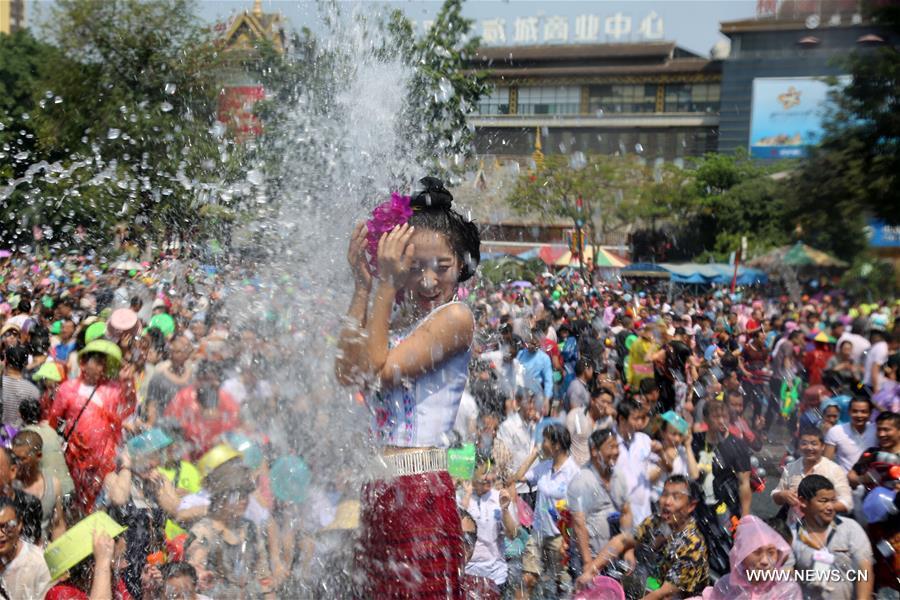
(136, 120)
(855, 172)
(608, 186)
(444, 88)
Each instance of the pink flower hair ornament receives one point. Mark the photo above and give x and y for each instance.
(385, 217)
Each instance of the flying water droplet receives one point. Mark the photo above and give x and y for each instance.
(638, 148)
(255, 176)
(113, 134)
(170, 88)
(165, 107)
(444, 91)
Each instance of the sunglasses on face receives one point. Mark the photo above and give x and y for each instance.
(9, 527)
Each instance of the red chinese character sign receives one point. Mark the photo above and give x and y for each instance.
(236, 109)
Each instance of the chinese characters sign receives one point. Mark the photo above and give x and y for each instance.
(587, 28)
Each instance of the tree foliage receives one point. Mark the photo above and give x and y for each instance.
(443, 89)
(855, 171)
(124, 124)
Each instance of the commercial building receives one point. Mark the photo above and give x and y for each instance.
(774, 86)
(12, 15)
(654, 99)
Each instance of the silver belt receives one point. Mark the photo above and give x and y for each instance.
(414, 462)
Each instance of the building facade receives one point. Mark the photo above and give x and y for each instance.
(12, 15)
(653, 99)
(799, 44)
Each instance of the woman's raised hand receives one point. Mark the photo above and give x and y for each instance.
(395, 255)
(356, 256)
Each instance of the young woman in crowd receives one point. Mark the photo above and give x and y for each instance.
(411, 350)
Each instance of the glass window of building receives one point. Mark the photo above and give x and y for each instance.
(549, 100)
(622, 98)
(692, 97)
(494, 103)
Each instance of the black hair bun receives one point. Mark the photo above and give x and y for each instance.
(431, 194)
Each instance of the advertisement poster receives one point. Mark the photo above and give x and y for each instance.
(786, 115)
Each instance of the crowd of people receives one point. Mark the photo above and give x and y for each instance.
(654, 422)
(612, 440)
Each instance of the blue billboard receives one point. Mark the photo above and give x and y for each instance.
(786, 115)
(882, 235)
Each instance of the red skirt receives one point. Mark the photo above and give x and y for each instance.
(411, 538)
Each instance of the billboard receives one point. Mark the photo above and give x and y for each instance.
(882, 235)
(786, 115)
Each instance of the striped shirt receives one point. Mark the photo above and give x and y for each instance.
(15, 390)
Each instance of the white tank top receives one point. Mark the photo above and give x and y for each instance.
(420, 412)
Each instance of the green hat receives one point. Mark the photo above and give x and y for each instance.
(164, 322)
(56, 328)
(77, 543)
(47, 301)
(290, 477)
(48, 371)
(461, 461)
(95, 331)
(152, 440)
(670, 416)
(250, 450)
(110, 349)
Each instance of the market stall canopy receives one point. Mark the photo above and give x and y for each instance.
(638, 270)
(560, 256)
(797, 255)
(709, 273)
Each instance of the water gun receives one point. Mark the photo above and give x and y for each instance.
(564, 523)
(789, 396)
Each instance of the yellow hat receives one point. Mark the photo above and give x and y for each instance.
(77, 543)
(216, 457)
(346, 517)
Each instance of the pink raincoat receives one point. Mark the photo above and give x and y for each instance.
(753, 533)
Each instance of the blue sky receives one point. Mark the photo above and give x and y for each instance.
(693, 24)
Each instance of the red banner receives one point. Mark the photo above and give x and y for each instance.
(236, 109)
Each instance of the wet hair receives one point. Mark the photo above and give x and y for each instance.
(812, 430)
(599, 437)
(889, 416)
(707, 408)
(30, 411)
(856, 399)
(7, 502)
(464, 515)
(693, 487)
(781, 528)
(16, 357)
(30, 439)
(432, 210)
(626, 407)
(179, 569)
(24, 306)
(38, 340)
(556, 433)
(812, 485)
(582, 365)
(648, 386)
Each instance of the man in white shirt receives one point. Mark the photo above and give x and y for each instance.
(581, 422)
(811, 462)
(517, 432)
(875, 359)
(857, 342)
(635, 455)
(23, 571)
(845, 443)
